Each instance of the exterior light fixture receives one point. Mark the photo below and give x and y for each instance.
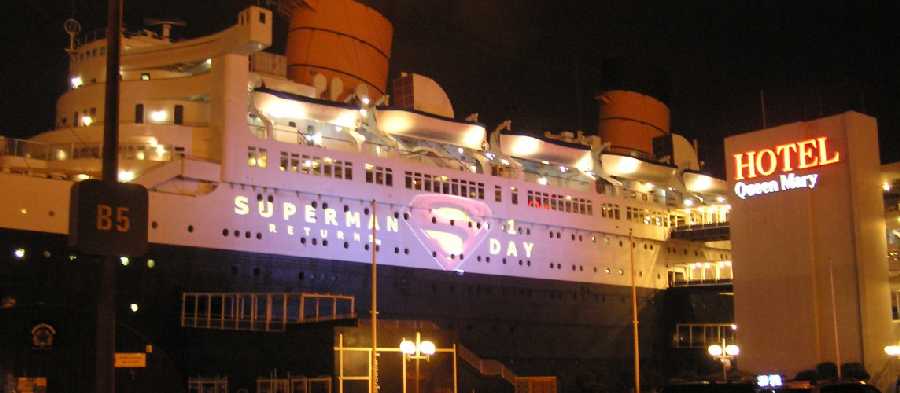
(87, 120)
(365, 100)
(892, 350)
(81, 176)
(126, 176)
(76, 82)
(124, 260)
(886, 186)
(545, 162)
(542, 181)
(158, 116)
(19, 253)
(724, 353)
(133, 307)
(151, 263)
(408, 347)
(720, 199)
(688, 202)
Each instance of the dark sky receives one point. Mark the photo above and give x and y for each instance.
(539, 63)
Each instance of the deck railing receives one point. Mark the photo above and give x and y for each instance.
(262, 311)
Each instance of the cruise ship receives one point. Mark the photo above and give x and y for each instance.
(272, 178)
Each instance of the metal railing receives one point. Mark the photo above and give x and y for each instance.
(701, 335)
(269, 312)
(74, 151)
(294, 385)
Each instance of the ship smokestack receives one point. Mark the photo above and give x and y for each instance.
(340, 47)
(628, 117)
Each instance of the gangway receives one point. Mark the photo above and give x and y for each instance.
(267, 312)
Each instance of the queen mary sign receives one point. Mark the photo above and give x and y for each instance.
(771, 169)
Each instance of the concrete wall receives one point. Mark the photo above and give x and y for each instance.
(787, 243)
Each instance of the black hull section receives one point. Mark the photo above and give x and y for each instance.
(577, 331)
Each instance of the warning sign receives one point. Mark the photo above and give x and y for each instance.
(131, 360)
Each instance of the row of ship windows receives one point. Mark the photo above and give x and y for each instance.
(674, 250)
(293, 162)
(88, 117)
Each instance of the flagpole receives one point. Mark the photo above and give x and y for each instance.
(634, 320)
(373, 385)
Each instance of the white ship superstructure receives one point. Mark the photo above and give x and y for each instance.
(239, 157)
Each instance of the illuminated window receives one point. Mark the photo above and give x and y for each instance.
(514, 195)
(257, 157)
(379, 175)
(145, 76)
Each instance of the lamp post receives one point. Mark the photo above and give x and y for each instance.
(416, 350)
(724, 353)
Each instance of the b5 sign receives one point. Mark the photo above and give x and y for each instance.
(784, 160)
(108, 219)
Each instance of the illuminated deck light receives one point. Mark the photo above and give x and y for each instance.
(126, 176)
(124, 260)
(76, 82)
(133, 307)
(87, 120)
(159, 116)
(151, 263)
(19, 253)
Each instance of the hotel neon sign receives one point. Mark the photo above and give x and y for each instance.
(783, 159)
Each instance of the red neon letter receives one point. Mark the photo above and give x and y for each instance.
(806, 151)
(785, 151)
(739, 165)
(823, 153)
(773, 162)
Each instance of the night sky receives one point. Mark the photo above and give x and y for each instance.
(539, 63)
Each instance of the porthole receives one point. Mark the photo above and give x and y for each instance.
(258, 235)
(406, 251)
(581, 239)
(504, 261)
(315, 205)
(247, 234)
(300, 276)
(478, 258)
(434, 220)
(154, 225)
(324, 242)
(346, 208)
(573, 237)
(237, 233)
(396, 250)
(224, 232)
(487, 259)
(366, 247)
(271, 198)
(346, 245)
(478, 225)
(452, 222)
(528, 262)
(558, 235)
(461, 256)
(259, 197)
(324, 205)
(520, 262)
(302, 240)
(434, 254)
(406, 216)
(397, 215)
(366, 211)
(190, 228)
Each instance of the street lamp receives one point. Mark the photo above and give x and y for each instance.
(724, 353)
(416, 350)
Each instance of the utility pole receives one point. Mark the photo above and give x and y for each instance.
(105, 371)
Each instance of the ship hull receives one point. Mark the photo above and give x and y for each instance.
(580, 332)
